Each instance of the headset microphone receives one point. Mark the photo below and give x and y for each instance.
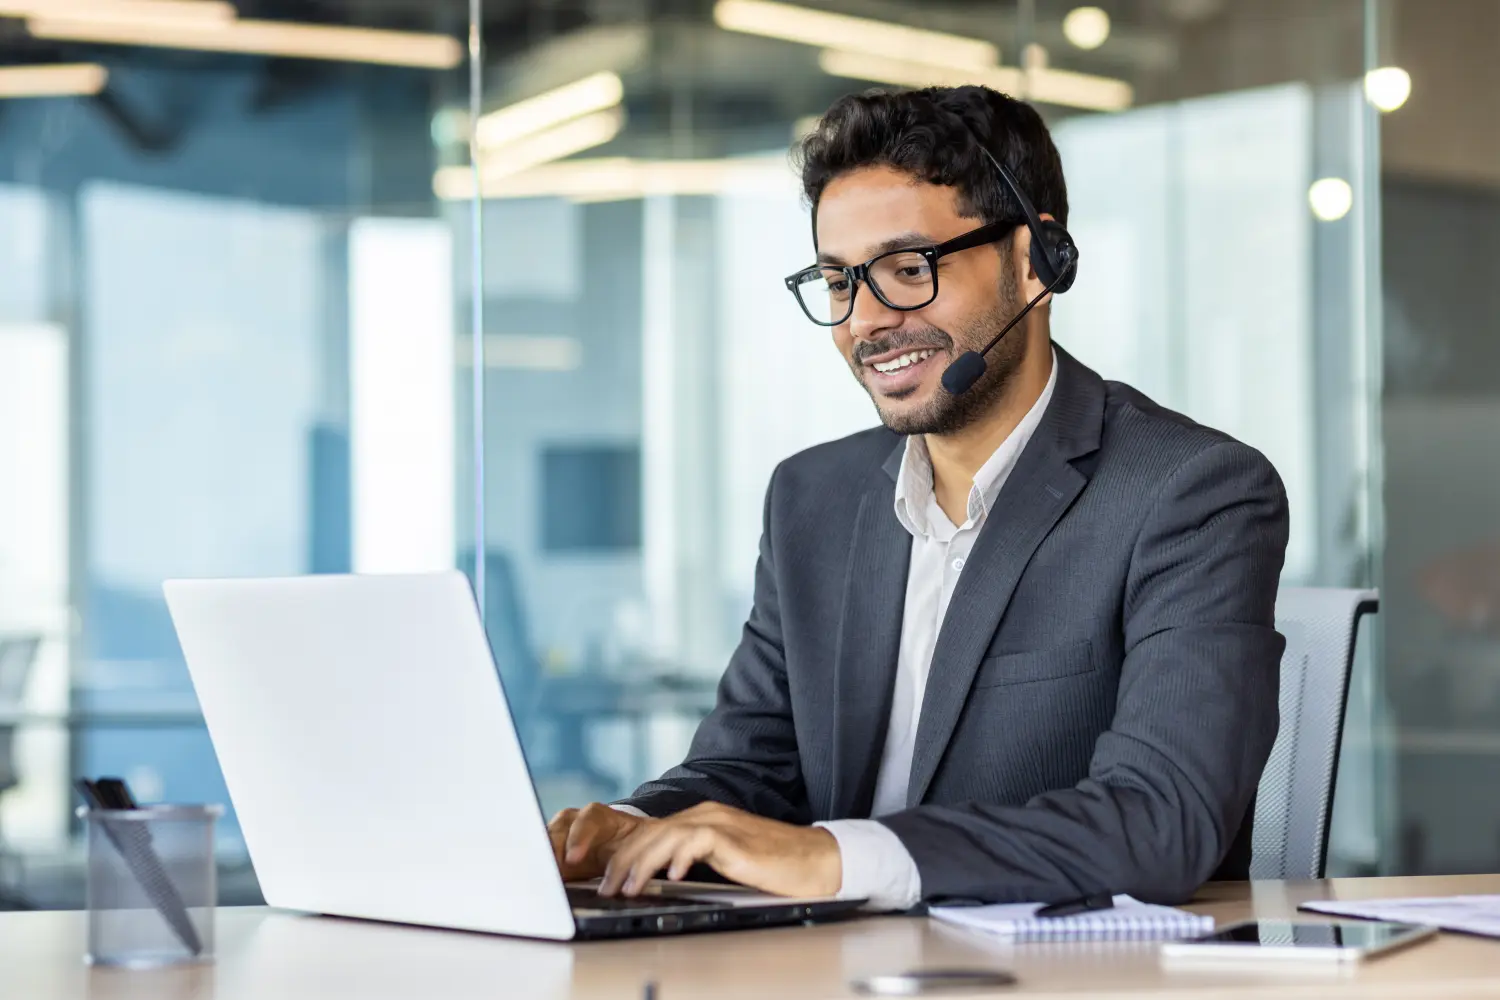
(959, 377)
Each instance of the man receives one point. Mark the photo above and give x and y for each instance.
(1018, 643)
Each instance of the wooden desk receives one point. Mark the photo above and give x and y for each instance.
(269, 955)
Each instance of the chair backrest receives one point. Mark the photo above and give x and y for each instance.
(1295, 799)
(17, 653)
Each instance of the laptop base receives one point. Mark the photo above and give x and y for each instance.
(692, 918)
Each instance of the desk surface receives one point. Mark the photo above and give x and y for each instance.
(269, 954)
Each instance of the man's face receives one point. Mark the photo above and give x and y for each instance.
(899, 356)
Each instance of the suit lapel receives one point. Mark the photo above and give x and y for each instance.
(1040, 489)
(869, 643)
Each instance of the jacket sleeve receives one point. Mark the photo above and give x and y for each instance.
(1170, 781)
(744, 753)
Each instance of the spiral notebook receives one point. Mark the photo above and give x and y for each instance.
(1128, 920)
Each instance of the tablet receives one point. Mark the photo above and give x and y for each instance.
(1278, 940)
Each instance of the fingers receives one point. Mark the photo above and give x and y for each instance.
(653, 848)
(583, 839)
(557, 831)
(697, 848)
(593, 824)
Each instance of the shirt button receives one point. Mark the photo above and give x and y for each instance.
(958, 565)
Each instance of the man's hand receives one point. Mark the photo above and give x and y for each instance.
(583, 840)
(762, 853)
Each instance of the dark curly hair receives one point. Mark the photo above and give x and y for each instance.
(931, 134)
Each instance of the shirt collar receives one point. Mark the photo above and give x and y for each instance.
(914, 487)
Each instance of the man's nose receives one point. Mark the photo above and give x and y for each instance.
(871, 317)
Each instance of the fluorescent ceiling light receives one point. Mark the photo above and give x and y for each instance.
(855, 34)
(617, 178)
(154, 12)
(60, 80)
(555, 144)
(598, 92)
(1077, 90)
(905, 73)
(1040, 83)
(268, 38)
(526, 352)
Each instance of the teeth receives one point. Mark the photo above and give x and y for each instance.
(906, 360)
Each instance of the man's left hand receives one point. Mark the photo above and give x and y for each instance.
(762, 853)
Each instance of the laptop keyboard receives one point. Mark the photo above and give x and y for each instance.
(588, 899)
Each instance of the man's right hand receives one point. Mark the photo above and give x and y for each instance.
(583, 840)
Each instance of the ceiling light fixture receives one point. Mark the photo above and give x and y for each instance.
(554, 144)
(1039, 83)
(1086, 27)
(906, 73)
(1330, 198)
(1388, 87)
(1068, 89)
(598, 92)
(856, 34)
(283, 39)
(525, 352)
(171, 13)
(620, 178)
(57, 80)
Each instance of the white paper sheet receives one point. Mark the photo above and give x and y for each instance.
(1468, 914)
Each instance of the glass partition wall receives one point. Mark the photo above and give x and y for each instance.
(228, 343)
(256, 322)
(646, 369)
(1439, 410)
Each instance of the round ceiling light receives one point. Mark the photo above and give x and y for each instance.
(1388, 87)
(1330, 198)
(1086, 27)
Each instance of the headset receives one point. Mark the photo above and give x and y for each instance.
(1054, 258)
(1054, 255)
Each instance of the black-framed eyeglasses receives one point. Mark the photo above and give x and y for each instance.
(904, 279)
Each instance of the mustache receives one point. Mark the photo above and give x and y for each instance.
(931, 337)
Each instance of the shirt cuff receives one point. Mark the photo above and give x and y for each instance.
(630, 810)
(877, 866)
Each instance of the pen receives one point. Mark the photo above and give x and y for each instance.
(1068, 908)
(115, 793)
(133, 842)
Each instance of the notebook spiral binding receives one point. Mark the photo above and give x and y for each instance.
(1110, 926)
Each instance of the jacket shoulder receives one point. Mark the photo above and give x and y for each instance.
(1159, 439)
(840, 464)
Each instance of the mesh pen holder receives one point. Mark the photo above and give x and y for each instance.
(152, 885)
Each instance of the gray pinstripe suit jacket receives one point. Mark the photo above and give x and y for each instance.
(1103, 693)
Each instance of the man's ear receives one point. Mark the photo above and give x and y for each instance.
(1020, 250)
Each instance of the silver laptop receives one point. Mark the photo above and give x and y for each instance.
(370, 754)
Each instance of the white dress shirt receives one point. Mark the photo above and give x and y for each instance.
(876, 864)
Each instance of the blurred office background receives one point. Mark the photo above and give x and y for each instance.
(254, 321)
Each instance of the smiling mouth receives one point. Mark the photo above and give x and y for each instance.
(906, 360)
(898, 376)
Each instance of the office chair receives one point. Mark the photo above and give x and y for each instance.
(17, 654)
(1295, 800)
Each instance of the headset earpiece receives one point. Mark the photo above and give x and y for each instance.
(1054, 256)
